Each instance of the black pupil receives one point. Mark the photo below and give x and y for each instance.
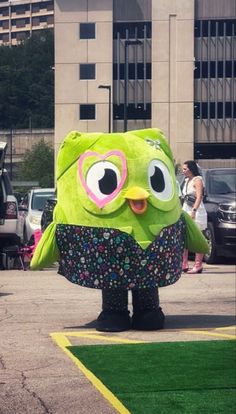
(108, 182)
(157, 180)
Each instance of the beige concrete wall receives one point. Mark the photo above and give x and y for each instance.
(172, 68)
(23, 140)
(172, 73)
(70, 51)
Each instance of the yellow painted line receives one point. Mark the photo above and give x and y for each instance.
(62, 341)
(226, 328)
(211, 334)
(91, 335)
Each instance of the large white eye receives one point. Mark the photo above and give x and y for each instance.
(103, 178)
(160, 181)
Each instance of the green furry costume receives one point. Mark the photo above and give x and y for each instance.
(118, 224)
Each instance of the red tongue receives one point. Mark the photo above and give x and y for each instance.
(138, 206)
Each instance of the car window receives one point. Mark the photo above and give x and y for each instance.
(223, 184)
(39, 200)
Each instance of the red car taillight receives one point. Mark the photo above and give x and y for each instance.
(11, 210)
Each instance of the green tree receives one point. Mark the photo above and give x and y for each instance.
(27, 82)
(38, 165)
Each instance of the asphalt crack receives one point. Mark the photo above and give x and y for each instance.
(8, 316)
(2, 364)
(34, 395)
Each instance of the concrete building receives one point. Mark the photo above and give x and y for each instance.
(134, 64)
(167, 63)
(19, 18)
(215, 79)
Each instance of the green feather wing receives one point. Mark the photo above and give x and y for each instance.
(194, 240)
(46, 252)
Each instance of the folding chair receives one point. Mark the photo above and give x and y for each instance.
(10, 254)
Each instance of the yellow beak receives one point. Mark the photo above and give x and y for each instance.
(136, 193)
(137, 199)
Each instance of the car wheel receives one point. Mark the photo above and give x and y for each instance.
(210, 257)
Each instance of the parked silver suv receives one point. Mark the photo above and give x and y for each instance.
(33, 202)
(11, 224)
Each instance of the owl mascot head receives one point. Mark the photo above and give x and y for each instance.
(118, 224)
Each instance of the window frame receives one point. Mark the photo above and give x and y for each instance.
(81, 107)
(82, 67)
(84, 37)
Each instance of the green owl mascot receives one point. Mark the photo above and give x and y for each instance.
(118, 224)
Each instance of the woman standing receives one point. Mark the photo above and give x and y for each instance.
(193, 205)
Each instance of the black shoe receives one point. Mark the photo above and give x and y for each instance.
(148, 320)
(113, 321)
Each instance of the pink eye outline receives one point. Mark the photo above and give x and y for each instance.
(107, 199)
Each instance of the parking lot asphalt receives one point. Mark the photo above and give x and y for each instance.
(41, 312)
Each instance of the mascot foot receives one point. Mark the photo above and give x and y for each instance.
(148, 320)
(113, 321)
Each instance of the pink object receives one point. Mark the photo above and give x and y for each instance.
(185, 265)
(197, 268)
(37, 237)
(28, 251)
(105, 200)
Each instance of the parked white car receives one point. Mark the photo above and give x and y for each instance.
(11, 224)
(33, 203)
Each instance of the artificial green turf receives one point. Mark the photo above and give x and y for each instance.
(160, 378)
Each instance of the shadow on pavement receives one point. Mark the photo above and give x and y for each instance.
(198, 321)
(182, 322)
(5, 294)
(89, 325)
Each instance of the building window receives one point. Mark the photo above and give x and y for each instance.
(4, 11)
(134, 30)
(5, 37)
(212, 69)
(214, 28)
(20, 9)
(136, 71)
(87, 71)
(139, 111)
(50, 19)
(50, 6)
(35, 21)
(213, 150)
(43, 19)
(212, 110)
(21, 36)
(35, 8)
(87, 111)
(5, 24)
(20, 23)
(87, 30)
